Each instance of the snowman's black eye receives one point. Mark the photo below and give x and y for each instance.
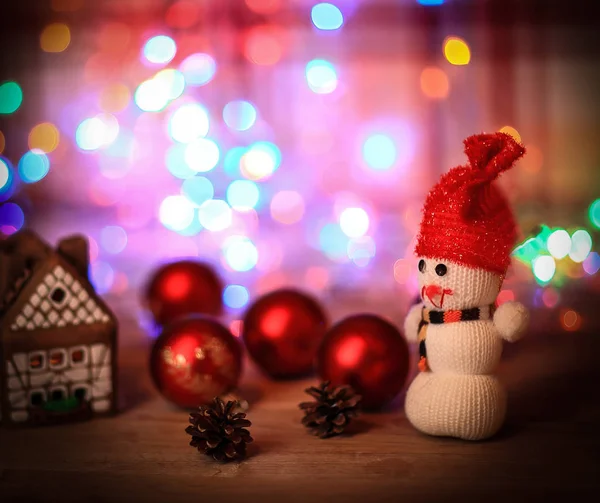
(422, 265)
(441, 269)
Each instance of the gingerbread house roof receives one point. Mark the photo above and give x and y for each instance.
(42, 287)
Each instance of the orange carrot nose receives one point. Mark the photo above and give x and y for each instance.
(432, 291)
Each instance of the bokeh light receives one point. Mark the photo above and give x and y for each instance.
(114, 98)
(509, 130)
(550, 297)
(235, 296)
(102, 276)
(113, 239)
(240, 253)
(505, 296)
(97, 132)
(402, 270)
(202, 155)
(188, 123)
(379, 152)
(215, 215)
(594, 213)
(326, 16)
(287, 207)
(56, 37)
(33, 166)
(354, 222)
(333, 242)
(591, 264)
(198, 189)
(321, 76)
(233, 160)
(243, 195)
(559, 243)
(544, 268)
(570, 320)
(11, 97)
(6, 175)
(263, 45)
(430, 2)
(435, 83)
(160, 49)
(361, 250)
(176, 163)
(239, 115)
(581, 245)
(172, 81)
(198, 69)
(151, 96)
(260, 161)
(457, 51)
(12, 218)
(176, 213)
(44, 137)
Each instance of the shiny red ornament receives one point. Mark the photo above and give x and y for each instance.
(283, 331)
(182, 288)
(367, 353)
(194, 360)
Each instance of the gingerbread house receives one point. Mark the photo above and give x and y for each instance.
(58, 338)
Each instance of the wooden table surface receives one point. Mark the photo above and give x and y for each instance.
(549, 447)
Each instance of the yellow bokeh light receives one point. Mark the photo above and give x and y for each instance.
(435, 83)
(114, 98)
(2, 142)
(55, 37)
(457, 51)
(45, 137)
(512, 132)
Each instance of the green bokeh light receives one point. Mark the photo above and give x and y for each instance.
(11, 97)
(594, 213)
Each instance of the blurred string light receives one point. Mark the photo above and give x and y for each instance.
(570, 320)
(287, 207)
(176, 212)
(594, 213)
(97, 132)
(240, 253)
(33, 166)
(260, 161)
(326, 16)
(113, 239)
(160, 49)
(379, 152)
(202, 155)
(235, 296)
(56, 37)
(155, 94)
(44, 137)
(581, 245)
(189, 122)
(263, 45)
(232, 161)
(321, 76)
(354, 222)
(591, 264)
(457, 51)
(198, 189)
(509, 130)
(239, 115)
(559, 243)
(11, 97)
(176, 163)
(505, 296)
(430, 2)
(198, 69)
(114, 98)
(6, 175)
(434, 83)
(544, 268)
(333, 242)
(243, 195)
(550, 297)
(12, 218)
(361, 250)
(215, 215)
(102, 276)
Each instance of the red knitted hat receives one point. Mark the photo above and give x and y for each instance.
(466, 218)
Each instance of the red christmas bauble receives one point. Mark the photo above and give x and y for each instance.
(369, 354)
(182, 288)
(283, 331)
(195, 359)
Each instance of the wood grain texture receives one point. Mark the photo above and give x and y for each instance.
(549, 447)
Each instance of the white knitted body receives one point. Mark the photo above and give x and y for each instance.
(459, 396)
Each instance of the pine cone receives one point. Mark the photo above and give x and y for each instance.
(219, 431)
(332, 411)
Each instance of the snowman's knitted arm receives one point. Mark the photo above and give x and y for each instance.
(411, 322)
(511, 320)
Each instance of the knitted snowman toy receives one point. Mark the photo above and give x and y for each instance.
(464, 246)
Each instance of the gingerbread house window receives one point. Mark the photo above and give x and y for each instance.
(57, 359)
(58, 393)
(81, 392)
(37, 397)
(79, 356)
(58, 296)
(37, 361)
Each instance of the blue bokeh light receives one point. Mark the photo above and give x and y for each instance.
(430, 2)
(175, 161)
(239, 115)
(321, 76)
(243, 194)
(33, 166)
(326, 16)
(160, 49)
(231, 162)
(198, 189)
(11, 216)
(102, 276)
(240, 253)
(333, 242)
(235, 296)
(198, 69)
(379, 152)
